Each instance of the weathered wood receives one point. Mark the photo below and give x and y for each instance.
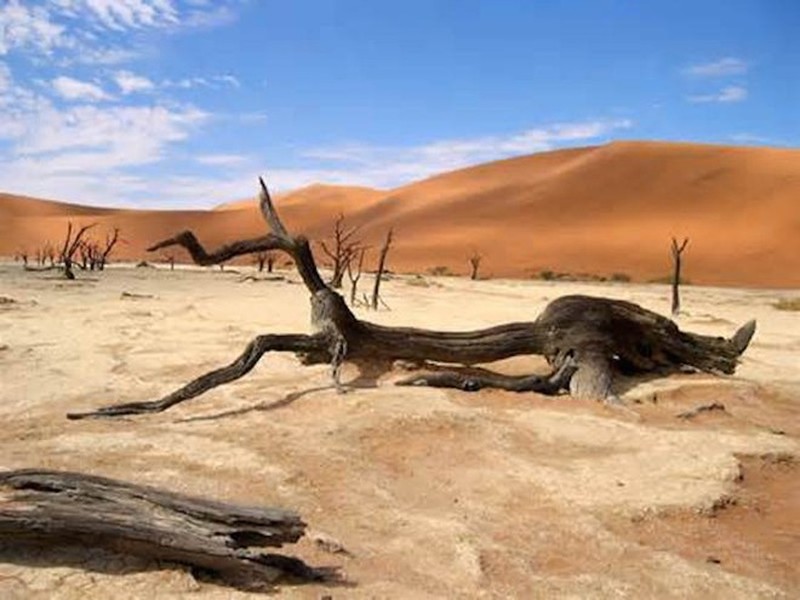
(677, 250)
(381, 268)
(63, 508)
(597, 337)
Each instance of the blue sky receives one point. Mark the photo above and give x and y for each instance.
(182, 103)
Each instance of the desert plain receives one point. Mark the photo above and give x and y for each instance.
(433, 493)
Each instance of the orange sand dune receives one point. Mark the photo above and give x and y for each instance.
(598, 210)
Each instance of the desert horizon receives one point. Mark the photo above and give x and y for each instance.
(597, 212)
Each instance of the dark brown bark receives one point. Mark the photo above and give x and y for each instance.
(585, 339)
(111, 241)
(71, 246)
(52, 508)
(474, 263)
(677, 250)
(381, 268)
(343, 251)
(354, 276)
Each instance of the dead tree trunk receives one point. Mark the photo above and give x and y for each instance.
(70, 247)
(52, 508)
(102, 256)
(585, 339)
(381, 267)
(475, 263)
(343, 251)
(676, 273)
(354, 277)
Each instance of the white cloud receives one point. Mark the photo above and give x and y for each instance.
(223, 160)
(380, 166)
(719, 68)
(29, 28)
(83, 152)
(129, 83)
(99, 31)
(75, 89)
(728, 94)
(123, 14)
(213, 82)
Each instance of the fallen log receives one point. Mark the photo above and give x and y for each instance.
(55, 508)
(598, 336)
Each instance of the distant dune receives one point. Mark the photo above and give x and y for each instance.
(598, 210)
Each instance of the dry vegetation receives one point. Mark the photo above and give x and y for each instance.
(791, 304)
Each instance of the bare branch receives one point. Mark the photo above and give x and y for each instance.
(241, 366)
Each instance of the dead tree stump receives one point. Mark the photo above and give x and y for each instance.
(585, 339)
(677, 250)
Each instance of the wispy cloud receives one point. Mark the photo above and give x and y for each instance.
(750, 139)
(83, 149)
(75, 89)
(212, 82)
(99, 31)
(728, 94)
(223, 160)
(129, 83)
(719, 68)
(382, 166)
(29, 27)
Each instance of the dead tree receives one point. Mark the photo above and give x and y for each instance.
(474, 262)
(71, 246)
(51, 508)
(265, 258)
(381, 268)
(23, 256)
(343, 251)
(102, 255)
(677, 250)
(585, 339)
(355, 276)
(170, 258)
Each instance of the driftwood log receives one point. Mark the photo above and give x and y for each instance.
(54, 508)
(584, 339)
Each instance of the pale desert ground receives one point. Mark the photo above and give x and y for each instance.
(435, 494)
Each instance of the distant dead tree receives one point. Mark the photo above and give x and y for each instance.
(474, 262)
(265, 258)
(88, 250)
(102, 255)
(49, 253)
(677, 250)
(170, 258)
(381, 268)
(70, 247)
(343, 251)
(355, 276)
(21, 255)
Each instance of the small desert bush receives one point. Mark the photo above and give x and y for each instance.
(547, 275)
(418, 281)
(439, 271)
(620, 277)
(667, 279)
(788, 304)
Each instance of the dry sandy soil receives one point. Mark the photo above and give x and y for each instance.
(599, 211)
(435, 494)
